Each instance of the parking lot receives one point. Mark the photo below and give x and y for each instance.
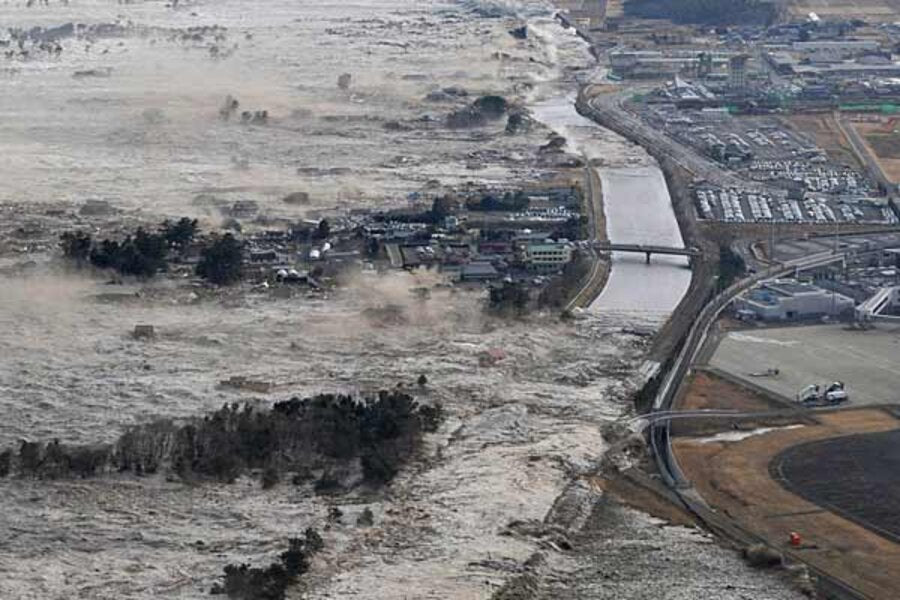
(789, 179)
(866, 361)
(766, 138)
(744, 206)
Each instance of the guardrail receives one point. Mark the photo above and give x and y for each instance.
(645, 249)
(660, 433)
(692, 344)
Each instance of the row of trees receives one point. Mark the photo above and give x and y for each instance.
(145, 253)
(561, 288)
(706, 12)
(573, 228)
(222, 260)
(731, 266)
(507, 202)
(446, 206)
(379, 434)
(509, 299)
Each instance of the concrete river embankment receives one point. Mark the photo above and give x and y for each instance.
(638, 210)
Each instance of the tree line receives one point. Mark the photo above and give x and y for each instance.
(144, 253)
(706, 12)
(328, 433)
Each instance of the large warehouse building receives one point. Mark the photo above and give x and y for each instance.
(787, 300)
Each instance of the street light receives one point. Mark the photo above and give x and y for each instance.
(837, 236)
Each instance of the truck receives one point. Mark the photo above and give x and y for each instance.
(815, 395)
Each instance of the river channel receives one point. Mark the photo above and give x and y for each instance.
(636, 202)
(638, 210)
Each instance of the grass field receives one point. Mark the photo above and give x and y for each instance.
(883, 140)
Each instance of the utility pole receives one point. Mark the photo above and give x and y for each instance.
(772, 241)
(837, 237)
(837, 234)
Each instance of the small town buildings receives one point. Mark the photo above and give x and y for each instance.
(479, 272)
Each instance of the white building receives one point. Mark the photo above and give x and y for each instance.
(786, 299)
(548, 256)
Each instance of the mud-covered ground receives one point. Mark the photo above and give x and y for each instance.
(622, 553)
(142, 131)
(516, 434)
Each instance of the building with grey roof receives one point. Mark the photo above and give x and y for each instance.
(787, 300)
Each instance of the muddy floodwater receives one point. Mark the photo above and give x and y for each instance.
(128, 110)
(125, 106)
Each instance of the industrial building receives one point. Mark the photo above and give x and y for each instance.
(869, 66)
(836, 50)
(872, 68)
(639, 64)
(787, 300)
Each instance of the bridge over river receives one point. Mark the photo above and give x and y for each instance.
(647, 249)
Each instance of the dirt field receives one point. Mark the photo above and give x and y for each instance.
(635, 489)
(867, 491)
(884, 143)
(708, 391)
(734, 477)
(827, 136)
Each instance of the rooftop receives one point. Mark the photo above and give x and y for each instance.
(792, 288)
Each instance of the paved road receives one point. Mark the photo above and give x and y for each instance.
(694, 342)
(609, 109)
(645, 249)
(660, 439)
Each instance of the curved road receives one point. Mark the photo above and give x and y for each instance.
(696, 337)
(660, 438)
